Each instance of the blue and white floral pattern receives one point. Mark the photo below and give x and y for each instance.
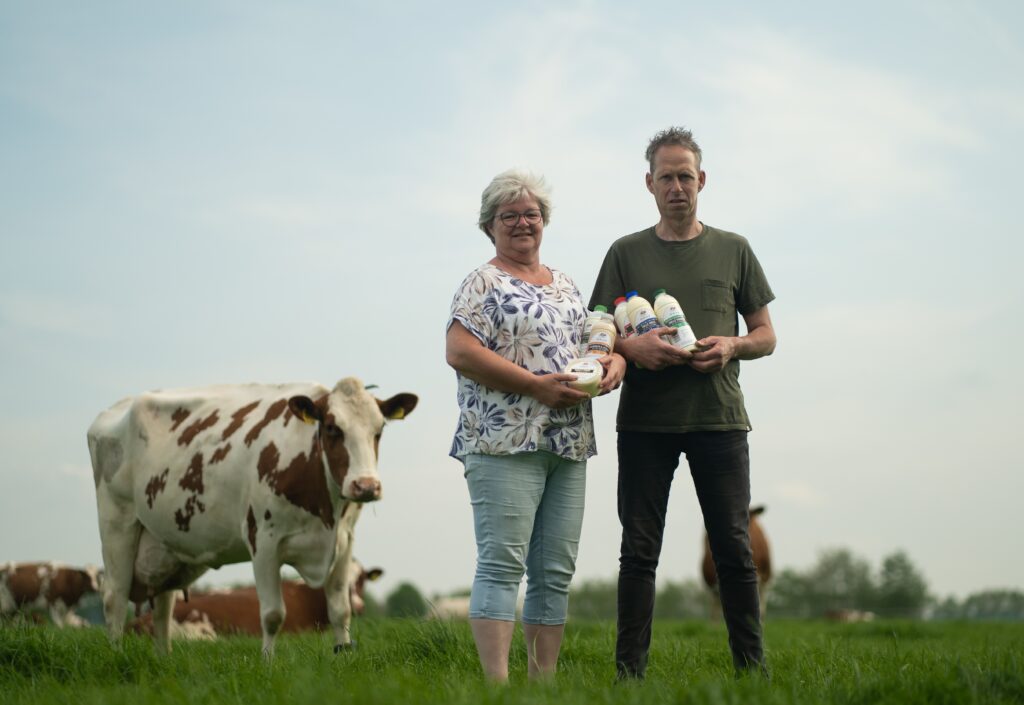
(538, 328)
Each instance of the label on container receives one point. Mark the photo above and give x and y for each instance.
(600, 343)
(645, 320)
(684, 337)
(588, 373)
(672, 315)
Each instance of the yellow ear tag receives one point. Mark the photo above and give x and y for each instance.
(398, 413)
(306, 418)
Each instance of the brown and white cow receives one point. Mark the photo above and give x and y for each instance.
(454, 607)
(762, 561)
(198, 478)
(237, 611)
(848, 616)
(50, 587)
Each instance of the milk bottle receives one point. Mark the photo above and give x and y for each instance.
(599, 335)
(641, 313)
(602, 334)
(670, 313)
(587, 324)
(622, 318)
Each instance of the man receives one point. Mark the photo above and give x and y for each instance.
(674, 401)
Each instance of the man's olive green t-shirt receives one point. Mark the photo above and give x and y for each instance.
(715, 278)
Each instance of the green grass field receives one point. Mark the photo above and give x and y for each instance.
(430, 662)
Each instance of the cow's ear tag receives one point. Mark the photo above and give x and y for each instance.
(306, 418)
(398, 413)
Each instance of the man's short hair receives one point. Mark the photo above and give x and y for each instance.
(672, 136)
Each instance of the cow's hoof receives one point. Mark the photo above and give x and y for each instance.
(339, 648)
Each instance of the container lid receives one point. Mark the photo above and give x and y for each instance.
(659, 291)
(586, 368)
(619, 300)
(630, 294)
(601, 308)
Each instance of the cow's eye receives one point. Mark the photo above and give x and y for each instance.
(333, 431)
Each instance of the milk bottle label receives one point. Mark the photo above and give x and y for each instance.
(600, 343)
(645, 320)
(672, 315)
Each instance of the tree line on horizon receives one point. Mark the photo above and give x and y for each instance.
(838, 581)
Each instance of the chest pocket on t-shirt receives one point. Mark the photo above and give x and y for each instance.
(716, 295)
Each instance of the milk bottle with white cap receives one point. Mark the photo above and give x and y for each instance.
(670, 313)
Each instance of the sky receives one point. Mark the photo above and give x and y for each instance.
(215, 192)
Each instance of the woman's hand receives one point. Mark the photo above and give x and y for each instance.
(614, 370)
(552, 390)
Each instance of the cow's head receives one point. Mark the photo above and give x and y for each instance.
(94, 577)
(358, 575)
(349, 424)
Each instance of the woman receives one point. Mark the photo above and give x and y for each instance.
(524, 435)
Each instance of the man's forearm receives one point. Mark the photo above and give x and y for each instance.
(756, 343)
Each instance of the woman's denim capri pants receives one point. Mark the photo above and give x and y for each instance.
(528, 513)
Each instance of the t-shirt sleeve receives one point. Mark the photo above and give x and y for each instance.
(468, 308)
(608, 286)
(755, 291)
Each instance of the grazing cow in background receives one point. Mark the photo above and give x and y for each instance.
(457, 607)
(237, 611)
(194, 626)
(449, 607)
(198, 478)
(46, 586)
(848, 616)
(762, 561)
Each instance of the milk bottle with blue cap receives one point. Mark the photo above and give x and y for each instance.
(641, 313)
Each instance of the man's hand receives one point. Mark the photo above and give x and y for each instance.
(713, 353)
(651, 352)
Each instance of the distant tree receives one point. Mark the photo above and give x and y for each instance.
(902, 590)
(594, 599)
(406, 601)
(789, 595)
(840, 580)
(995, 604)
(683, 600)
(948, 608)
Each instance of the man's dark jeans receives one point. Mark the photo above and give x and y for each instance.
(720, 466)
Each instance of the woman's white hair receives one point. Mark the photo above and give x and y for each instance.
(509, 186)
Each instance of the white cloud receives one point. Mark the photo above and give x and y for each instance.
(805, 127)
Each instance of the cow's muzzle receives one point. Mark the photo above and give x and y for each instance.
(364, 489)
